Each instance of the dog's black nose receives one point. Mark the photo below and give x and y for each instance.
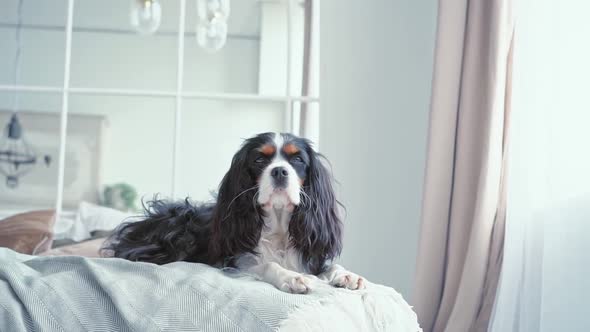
(278, 173)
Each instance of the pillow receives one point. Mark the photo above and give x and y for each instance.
(28, 233)
(92, 217)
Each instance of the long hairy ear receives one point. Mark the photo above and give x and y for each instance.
(316, 227)
(237, 221)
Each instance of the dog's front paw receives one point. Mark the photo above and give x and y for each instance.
(346, 279)
(296, 284)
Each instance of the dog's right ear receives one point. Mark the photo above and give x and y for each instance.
(237, 221)
(316, 230)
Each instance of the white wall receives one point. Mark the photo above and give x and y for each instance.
(376, 67)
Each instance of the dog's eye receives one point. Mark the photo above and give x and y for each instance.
(297, 159)
(260, 160)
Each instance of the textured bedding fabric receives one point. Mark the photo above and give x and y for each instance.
(72, 293)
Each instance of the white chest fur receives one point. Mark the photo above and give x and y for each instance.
(274, 245)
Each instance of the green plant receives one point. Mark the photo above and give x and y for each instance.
(120, 196)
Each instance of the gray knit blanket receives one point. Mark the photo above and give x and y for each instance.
(71, 293)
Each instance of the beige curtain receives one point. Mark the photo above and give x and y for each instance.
(462, 220)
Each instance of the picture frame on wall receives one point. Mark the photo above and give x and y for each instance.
(37, 189)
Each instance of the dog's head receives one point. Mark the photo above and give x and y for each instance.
(282, 171)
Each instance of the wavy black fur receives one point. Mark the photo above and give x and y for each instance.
(169, 232)
(218, 232)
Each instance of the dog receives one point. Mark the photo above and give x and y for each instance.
(275, 216)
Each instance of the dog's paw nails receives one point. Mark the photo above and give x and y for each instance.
(298, 284)
(361, 283)
(348, 280)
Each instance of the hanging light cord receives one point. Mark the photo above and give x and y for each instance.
(17, 55)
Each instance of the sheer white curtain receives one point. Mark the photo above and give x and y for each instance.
(545, 280)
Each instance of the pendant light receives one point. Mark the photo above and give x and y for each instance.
(212, 23)
(146, 16)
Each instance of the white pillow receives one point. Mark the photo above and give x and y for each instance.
(92, 217)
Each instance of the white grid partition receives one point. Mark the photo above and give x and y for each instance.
(178, 109)
(66, 90)
(64, 110)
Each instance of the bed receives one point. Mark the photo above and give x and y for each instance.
(44, 287)
(74, 293)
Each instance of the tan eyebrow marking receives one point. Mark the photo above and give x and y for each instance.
(290, 149)
(267, 150)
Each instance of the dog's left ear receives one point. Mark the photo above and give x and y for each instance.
(316, 227)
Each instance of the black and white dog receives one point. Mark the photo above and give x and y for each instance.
(276, 216)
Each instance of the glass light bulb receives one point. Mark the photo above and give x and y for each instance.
(212, 23)
(146, 15)
(212, 35)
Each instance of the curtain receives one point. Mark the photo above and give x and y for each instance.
(462, 223)
(544, 284)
